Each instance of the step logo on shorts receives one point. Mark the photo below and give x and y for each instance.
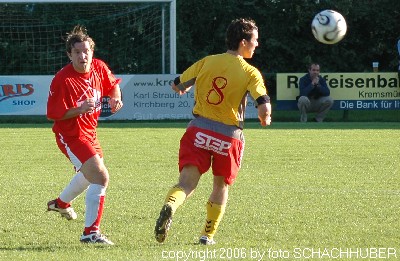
(208, 142)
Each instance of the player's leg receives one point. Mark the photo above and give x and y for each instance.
(225, 166)
(86, 156)
(188, 180)
(96, 173)
(62, 204)
(190, 168)
(76, 151)
(215, 210)
(76, 187)
(304, 106)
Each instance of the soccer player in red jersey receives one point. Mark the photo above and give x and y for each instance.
(215, 138)
(74, 105)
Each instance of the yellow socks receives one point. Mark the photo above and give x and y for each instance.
(215, 213)
(175, 197)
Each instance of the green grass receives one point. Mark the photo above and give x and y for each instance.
(330, 185)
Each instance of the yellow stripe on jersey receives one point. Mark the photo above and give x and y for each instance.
(221, 85)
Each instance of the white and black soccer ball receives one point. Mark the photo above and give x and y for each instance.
(329, 27)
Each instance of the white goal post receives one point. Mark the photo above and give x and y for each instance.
(129, 24)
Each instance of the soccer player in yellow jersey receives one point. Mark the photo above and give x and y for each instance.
(215, 138)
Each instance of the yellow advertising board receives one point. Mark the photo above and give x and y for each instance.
(349, 90)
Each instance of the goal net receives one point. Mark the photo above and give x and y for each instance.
(132, 37)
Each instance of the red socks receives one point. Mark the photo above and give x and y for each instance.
(62, 204)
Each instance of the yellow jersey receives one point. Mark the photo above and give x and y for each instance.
(222, 83)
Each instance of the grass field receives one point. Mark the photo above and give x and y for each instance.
(303, 188)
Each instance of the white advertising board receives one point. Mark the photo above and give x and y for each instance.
(145, 97)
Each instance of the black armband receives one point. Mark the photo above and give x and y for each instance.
(263, 100)
(177, 81)
(179, 85)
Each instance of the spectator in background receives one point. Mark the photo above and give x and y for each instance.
(314, 95)
(398, 51)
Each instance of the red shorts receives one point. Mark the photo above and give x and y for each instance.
(77, 150)
(204, 148)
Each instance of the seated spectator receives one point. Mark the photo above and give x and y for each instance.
(398, 50)
(314, 95)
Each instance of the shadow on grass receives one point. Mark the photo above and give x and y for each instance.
(52, 248)
(30, 248)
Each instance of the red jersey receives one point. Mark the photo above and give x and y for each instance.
(70, 89)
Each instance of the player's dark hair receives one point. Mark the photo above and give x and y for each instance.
(78, 35)
(238, 30)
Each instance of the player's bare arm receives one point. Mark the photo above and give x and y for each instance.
(179, 89)
(264, 114)
(115, 99)
(264, 110)
(87, 106)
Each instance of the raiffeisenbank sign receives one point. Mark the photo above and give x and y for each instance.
(352, 91)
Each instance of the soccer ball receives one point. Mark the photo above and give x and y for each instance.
(329, 27)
